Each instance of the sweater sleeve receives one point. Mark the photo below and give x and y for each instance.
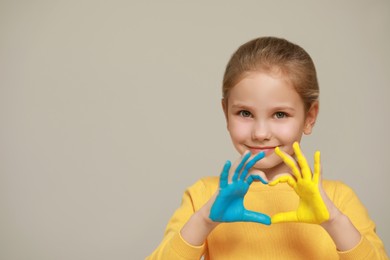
(173, 246)
(370, 245)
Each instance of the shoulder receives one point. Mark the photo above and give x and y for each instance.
(346, 200)
(205, 184)
(201, 191)
(334, 184)
(337, 188)
(341, 194)
(210, 181)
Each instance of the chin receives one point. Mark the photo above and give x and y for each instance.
(267, 163)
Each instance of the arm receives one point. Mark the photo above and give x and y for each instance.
(370, 246)
(343, 233)
(173, 246)
(187, 239)
(199, 226)
(316, 207)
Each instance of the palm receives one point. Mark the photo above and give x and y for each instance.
(229, 204)
(310, 208)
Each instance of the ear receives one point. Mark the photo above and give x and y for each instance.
(311, 117)
(225, 109)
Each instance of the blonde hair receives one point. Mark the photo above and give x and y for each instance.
(268, 54)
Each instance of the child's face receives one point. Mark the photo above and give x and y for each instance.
(264, 111)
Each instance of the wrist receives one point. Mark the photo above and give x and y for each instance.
(204, 216)
(334, 220)
(342, 231)
(197, 228)
(335, 215)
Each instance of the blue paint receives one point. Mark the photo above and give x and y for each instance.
(229, 204)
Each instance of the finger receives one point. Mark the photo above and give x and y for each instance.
(249, 180)
(285, 179)
(252, 178)
(290, 162)
(305, 169)
(223, 179)
(252, 216)
(250, 164)
(317, 167)
(290, 216)
(237, 171)
(258, 178)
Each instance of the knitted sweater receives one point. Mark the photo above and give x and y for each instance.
(243, 240)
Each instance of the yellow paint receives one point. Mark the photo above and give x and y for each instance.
(311, 208)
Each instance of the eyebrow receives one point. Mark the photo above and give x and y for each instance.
(240, 105)
(276, 108)
(284, 108)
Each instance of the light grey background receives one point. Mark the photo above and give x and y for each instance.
(110, 109)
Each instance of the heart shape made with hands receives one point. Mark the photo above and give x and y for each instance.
(229, 204)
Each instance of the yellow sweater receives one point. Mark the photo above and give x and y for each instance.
(290, 241)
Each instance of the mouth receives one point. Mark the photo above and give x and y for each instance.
(266, 149)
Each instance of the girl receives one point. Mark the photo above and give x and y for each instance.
(270, 98)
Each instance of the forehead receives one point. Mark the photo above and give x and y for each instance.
(264, 88)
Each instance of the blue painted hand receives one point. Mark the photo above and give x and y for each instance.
(229, 203)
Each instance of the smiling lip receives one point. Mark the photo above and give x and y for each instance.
(266, 149)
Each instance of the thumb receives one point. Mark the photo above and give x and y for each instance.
(290, 216)
(252, 216)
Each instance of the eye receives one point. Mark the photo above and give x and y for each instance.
(245, 113)
(280, 115)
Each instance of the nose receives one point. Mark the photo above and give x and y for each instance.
(261, 131)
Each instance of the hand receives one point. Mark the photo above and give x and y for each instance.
(311, 208)
(229, 204)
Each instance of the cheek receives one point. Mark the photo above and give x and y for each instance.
(289, 132)
(239, 131)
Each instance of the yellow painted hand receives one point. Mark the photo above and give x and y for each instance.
(311, 208)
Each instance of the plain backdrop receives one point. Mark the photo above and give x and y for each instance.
(109, 110)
